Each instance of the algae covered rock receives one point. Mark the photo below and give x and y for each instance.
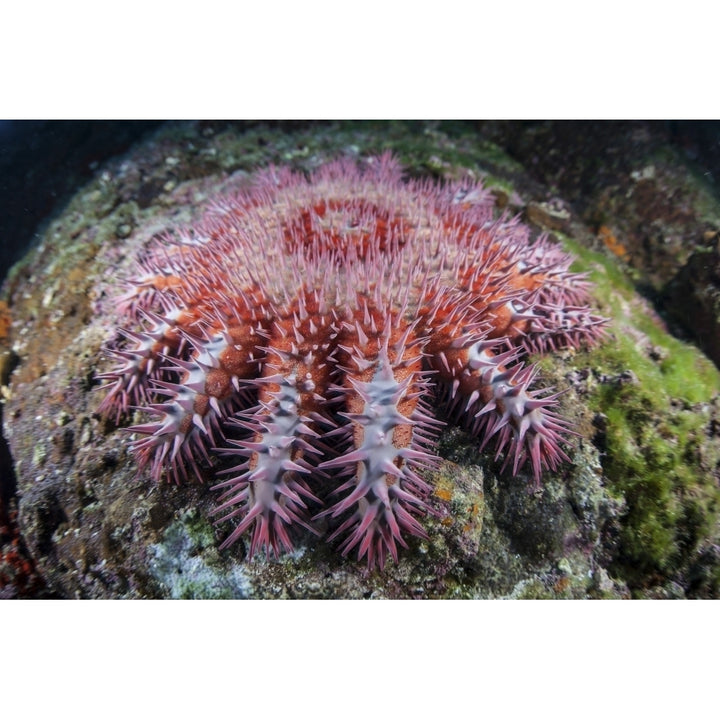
(634, 513)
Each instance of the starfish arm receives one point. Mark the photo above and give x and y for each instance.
(270, 494)
(383, 451)
(495, 398)
(284, 445)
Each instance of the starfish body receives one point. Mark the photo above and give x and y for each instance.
(309, 326)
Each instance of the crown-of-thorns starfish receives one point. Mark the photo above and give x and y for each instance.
(310, 326)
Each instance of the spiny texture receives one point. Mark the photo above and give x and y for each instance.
(307, 329)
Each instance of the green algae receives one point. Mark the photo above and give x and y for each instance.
(681, 371)
(652, 394)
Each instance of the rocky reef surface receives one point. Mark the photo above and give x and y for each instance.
(636, 512)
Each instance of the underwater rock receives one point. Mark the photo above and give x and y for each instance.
(96, 527)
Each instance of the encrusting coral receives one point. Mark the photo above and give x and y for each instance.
(309, 327)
